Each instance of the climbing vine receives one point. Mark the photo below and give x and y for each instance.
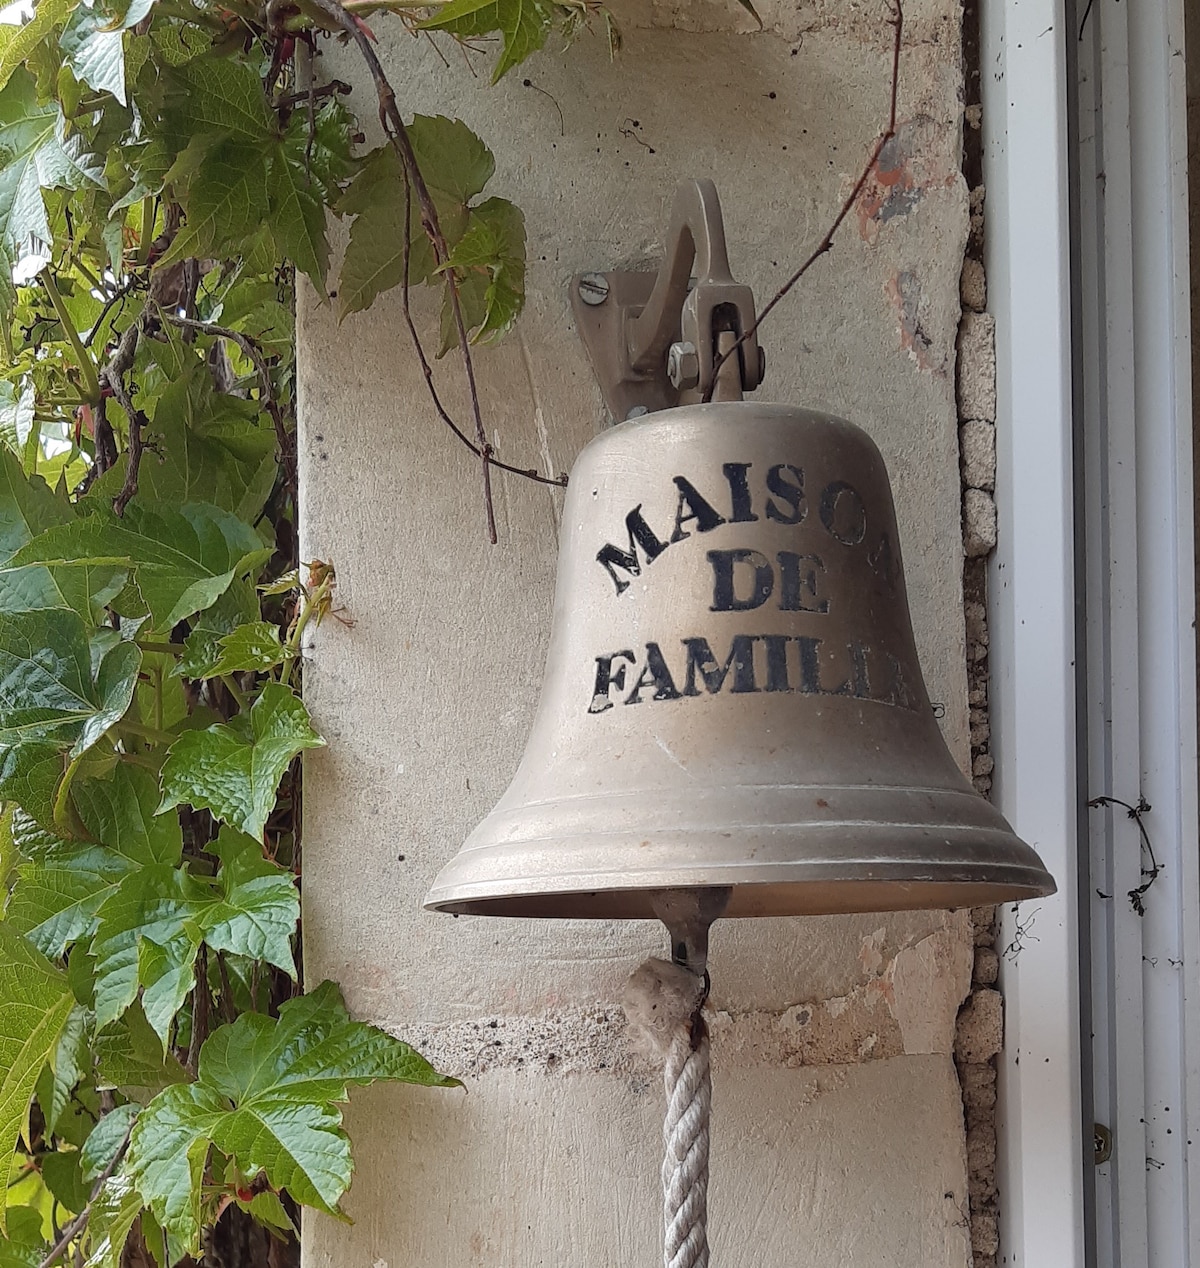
(167, 1091)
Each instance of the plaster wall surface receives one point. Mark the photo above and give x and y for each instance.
(838, 1134)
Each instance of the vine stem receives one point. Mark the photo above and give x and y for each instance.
(397, 133)
(143, 732)
(826, 243)
(79, 1223)
(87, 367)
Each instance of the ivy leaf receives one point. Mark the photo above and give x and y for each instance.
(234, 769)
(62, 887)
(72, 1061)
(259, 906)
(250, 647)
(38, 155)
(114, 1213)
(24, 1246)
(131, 1058)
(35, 1002)
(18, 42)
(93, 42)
(48, 691)
(17, 429)
(184, 559)
(147, 935)
(456, 166)
(29, 775)
(220, 95)
(27, 508)
(213, 448)
(226, 202)
(302, 179)
(523, 25)
(266, 1098)
(490, 258)
(105, 1139)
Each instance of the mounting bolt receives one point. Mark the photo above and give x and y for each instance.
(593, 288)
(683, 366)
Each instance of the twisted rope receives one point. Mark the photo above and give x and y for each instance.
(688, 1082)
(663, 1002)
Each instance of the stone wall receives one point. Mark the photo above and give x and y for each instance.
(838, 1121)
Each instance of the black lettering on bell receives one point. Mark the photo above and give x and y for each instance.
(777, 666)
(606, 679)
(843, 513)
(861, 682)
(810, 670)
(702, 511)
(756, 570)
(655, 674)
(790, 490)
(798, 583)
(641, 534)
(700, 660)
(742, 507)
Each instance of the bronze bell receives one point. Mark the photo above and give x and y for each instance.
(732, 698)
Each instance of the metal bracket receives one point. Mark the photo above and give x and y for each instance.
(654, 338)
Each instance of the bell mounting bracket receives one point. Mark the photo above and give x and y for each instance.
(654, 338)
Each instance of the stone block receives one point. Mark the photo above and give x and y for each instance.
(980, 1027)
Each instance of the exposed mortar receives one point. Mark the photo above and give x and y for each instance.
(980, 1029)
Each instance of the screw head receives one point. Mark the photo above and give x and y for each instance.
(593, 288)
(683, 366)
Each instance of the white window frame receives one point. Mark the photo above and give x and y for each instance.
(1098, 557)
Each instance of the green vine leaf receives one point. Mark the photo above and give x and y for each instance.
(255, 646)
(24, 1246)
(183, 559)
(226, 201)
(38, 155)
(212, 448)
(233, 769)
(456, 166)
(490, 259)
(113, 1216)
(523, 25)
(50, 690)
(266, 1098)
(131, 1058)
(63, 885)
(259, 906)
(18, 42)
(35, 1002)
(93, 42)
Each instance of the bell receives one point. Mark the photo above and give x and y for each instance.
(732, 696)
(732, 702)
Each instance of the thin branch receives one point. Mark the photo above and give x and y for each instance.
(427, 369)
(826, 243)
(397, 133)
(79, 1223)
(114, 373)
(335, 87)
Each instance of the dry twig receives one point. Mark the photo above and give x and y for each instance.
(397, 133)
(114, 372)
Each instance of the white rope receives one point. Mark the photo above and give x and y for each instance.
(688, 1084)
(663, 1002)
